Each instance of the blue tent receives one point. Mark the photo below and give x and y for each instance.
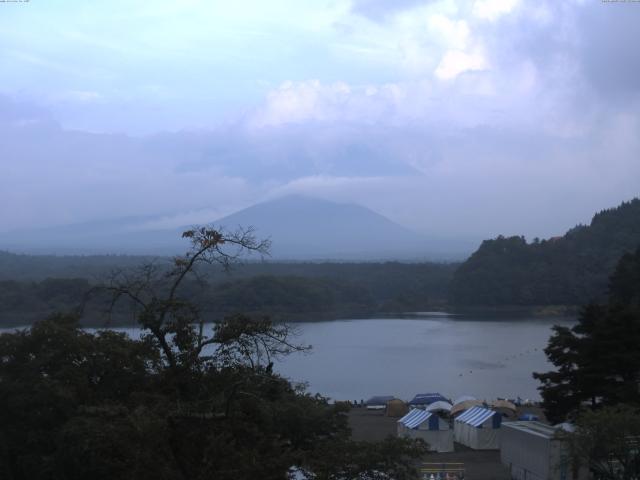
(529, 417)
(427, 399)
(379, 400)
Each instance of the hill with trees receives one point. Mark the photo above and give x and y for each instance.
(568, 270)
(33, 286)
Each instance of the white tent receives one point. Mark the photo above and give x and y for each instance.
(478, 428)
(429, 427)
(463, 398)
(533, 451)
(439, 406)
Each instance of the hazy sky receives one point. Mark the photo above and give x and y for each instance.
(451, 117)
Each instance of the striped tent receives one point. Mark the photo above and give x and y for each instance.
(428, 426)
(417, 417)
(478, 428)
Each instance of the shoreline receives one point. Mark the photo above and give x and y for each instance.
(478, 313)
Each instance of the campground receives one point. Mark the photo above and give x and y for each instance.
(373, 425)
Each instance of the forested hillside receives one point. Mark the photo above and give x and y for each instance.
(568, 270)
(33, 286)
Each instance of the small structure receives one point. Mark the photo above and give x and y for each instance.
(378, 402)
(428, 426)
(478, 428)
(396, 408)
(424, 399)
(534, 451)
(439, 406)
(460, 407)
(463, 398)
(528, 417)
(505, 407)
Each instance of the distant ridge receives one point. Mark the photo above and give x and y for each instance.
(569, 270)
(301, 228)
(305, 227)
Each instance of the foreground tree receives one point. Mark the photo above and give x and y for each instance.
(607, 441)
(180, 402)
(597, 360)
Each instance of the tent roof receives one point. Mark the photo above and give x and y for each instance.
(440, 405)
(463, 398)
(504, 404)
(459, 407)
(426, 398)
(476, 416)
(379, 400)
(415, 417)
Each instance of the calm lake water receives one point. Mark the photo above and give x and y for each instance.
(356, 359)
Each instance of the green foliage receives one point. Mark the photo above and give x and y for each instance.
(607, 440)
(28, 300)
(598, 360)
(366, 460)
(180, 403)
(285, 291)
(568, 270)
(101, 405)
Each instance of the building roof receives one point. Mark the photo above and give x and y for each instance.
(415, 417)
(534, 428)
(427, 398)
(476, 416)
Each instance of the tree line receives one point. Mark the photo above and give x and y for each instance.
(568, 270)
(298, 292)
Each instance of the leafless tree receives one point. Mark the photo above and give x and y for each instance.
(176, 324)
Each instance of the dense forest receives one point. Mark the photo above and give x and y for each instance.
(568, 270)
(32, 286)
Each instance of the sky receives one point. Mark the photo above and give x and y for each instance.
(451, 117)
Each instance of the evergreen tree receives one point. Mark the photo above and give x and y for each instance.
(598, 360)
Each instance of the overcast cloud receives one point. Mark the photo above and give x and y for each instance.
(454, 117)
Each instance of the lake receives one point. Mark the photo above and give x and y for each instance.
(356, 359)
(433, 352)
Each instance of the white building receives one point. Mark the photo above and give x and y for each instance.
(533, 451)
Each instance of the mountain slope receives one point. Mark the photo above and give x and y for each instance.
(571, 270)
(300, 228)
(303, 227)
